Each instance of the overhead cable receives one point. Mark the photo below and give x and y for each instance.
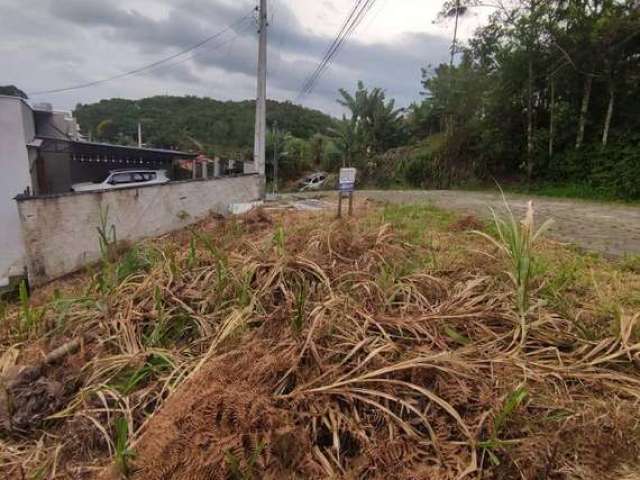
(149, 66)
(353, 20)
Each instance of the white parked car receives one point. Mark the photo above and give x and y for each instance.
(313, 182)
(124, 178)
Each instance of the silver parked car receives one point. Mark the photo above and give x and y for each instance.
(122, 179)
(313, 182)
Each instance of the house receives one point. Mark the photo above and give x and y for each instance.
(43, 153)
(18, 153)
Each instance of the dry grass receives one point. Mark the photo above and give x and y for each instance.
(295, 346)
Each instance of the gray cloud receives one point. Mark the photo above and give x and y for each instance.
(112, 36)
(94, 13)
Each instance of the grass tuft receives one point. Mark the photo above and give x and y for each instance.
(123, 454)
(516, 240)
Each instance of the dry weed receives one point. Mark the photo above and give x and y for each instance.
(299, 347)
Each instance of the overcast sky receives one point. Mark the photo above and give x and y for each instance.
(49, 44)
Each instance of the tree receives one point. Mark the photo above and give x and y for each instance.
(345, 139)
(537, 88)
(172, 121)
(377, 124)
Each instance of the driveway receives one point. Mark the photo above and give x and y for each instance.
(608, 228)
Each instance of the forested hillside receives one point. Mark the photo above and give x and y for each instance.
(546, 94)
(548, 90)
(193, 122)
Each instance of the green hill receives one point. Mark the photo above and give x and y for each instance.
(187, 122)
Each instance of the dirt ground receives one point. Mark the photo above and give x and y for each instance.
(607, 228)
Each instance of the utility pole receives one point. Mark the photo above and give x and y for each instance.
(455, 34)
(449, 117)
(275, 159)
(260, 145)
(139, 134)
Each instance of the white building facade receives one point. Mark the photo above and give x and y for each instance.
(17, 160)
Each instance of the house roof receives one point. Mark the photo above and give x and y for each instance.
(80, 147)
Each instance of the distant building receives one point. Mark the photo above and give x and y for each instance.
(42, 153)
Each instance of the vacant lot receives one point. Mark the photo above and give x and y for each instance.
(608, 228)
(399, 344)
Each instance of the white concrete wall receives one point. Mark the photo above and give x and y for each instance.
(16, 130)
(60, 231)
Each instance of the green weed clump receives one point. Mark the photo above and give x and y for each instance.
(122, 453)
(31, 317)
(513, 401)
(517, 240)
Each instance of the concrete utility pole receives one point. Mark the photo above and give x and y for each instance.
(260, 146)
(275, 159)
(139, 134)
(454, 45)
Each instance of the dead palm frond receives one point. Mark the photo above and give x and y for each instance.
(336, 353)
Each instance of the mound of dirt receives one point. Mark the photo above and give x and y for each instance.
(256, 219)
(24, 405)
(466, 224)
(31, 393)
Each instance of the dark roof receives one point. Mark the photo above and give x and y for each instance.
(81, 146)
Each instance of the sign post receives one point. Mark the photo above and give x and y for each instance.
(346, 187)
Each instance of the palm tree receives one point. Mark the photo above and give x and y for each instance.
(375, 121)
(345, 139)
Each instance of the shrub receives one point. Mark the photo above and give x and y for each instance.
(418, 171)
(610, 172)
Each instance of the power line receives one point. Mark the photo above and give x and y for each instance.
(180, 61)
(372, 19)
(149, 66)
(356, 23)
(352, 23)
(358, 13)
(330, 50)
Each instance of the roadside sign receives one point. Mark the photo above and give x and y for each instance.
(346, 186)
(347, 181)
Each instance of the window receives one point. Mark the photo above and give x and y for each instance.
(138, 177)
(149, 176)
(120, 178)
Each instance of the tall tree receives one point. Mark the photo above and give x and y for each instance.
(561, 72)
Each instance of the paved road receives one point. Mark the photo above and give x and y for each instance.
(607, 228)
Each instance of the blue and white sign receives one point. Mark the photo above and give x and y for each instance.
(347, 180)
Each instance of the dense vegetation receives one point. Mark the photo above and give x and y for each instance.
(546, 94)
(205, 124)
(548, 91)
